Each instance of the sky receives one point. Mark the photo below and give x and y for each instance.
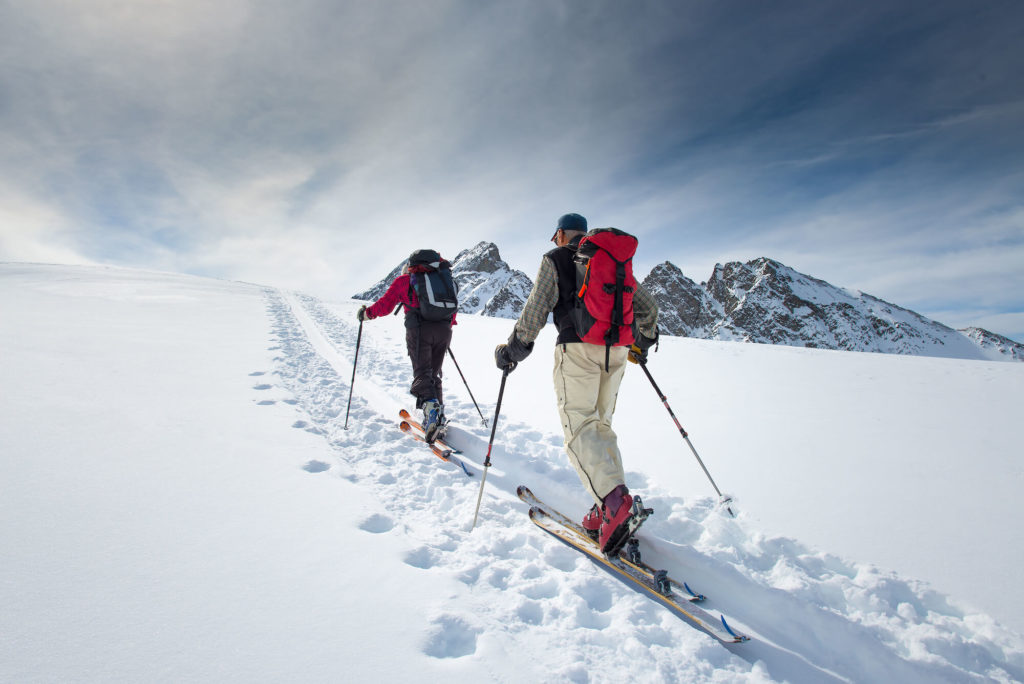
(312, 144)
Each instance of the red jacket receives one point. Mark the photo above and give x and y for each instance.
(399, 292)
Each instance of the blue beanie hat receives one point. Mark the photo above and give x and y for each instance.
(572, 222)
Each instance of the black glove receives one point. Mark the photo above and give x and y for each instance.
(361, 314)
(507, 356)
(638, 352)
(502, 360)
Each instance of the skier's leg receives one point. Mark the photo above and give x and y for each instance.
(591, 446)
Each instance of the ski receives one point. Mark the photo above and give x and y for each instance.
(443, 454)
(440, 441)
(630, 554)
(717, 628)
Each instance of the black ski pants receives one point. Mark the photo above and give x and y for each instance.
(427, 342)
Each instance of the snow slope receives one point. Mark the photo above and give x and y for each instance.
(182, 502)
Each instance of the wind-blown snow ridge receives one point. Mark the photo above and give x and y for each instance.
(814, 617)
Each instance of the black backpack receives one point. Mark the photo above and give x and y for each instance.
(431, 278)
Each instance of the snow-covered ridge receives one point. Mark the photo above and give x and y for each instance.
(996, 344)
(487, 284)
(768, 302)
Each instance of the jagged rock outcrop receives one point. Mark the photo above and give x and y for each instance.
(685, 308)
(487, 284)
(995, 344)
(768, 302)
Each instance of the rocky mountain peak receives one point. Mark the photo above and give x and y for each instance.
(686, 308)
(483, 257)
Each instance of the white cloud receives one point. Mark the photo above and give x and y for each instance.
(34, 232)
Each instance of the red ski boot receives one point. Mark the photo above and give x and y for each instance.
(592, 523)
(621, 516)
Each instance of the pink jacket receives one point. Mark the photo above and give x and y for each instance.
(399, 292)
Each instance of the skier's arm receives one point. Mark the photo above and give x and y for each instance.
(542, 301)
(397, 293)
(645, 315)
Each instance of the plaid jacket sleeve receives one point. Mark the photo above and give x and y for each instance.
(541, 302)
(645, 312)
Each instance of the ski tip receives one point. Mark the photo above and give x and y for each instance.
(404, 427)
(737, 637)
(523, 490)
(694, 596)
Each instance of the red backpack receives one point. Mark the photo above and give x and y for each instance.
(603, 311)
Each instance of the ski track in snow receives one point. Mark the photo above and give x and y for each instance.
(813, 617)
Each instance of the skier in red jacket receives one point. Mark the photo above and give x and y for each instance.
(427, 292)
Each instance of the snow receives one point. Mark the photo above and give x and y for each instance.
(182, 502)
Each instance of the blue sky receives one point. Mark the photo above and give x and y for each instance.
(312, 144)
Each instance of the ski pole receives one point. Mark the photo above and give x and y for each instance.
(722, 499)
(351, 385)
(482, 419)
(487, 460)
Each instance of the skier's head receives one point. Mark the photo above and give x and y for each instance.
(570, 224)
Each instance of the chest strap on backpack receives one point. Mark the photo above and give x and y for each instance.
(611, 337)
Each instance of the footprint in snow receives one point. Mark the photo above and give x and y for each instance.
(266, 402)
(530, 612)
(377, 524)
(422, 558)
(542, 590)
(256, 373)
(597, 597)
(451, 637)
(316, 467)
(262, 387)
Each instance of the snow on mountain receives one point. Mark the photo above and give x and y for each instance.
(767, 302)
(997, 345)
(487, 285)
(185, 497)
(684, 308)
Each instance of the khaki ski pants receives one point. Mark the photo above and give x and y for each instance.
(586, 402)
